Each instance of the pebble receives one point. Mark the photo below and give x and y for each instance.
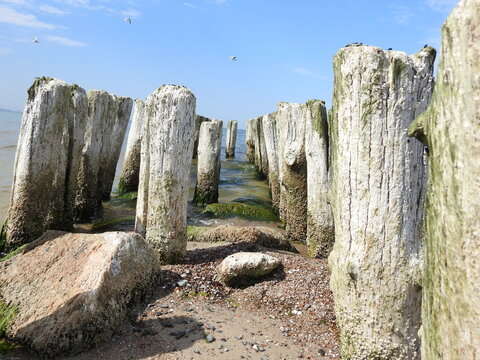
(182, 283)
(210, 338)
(321, 352)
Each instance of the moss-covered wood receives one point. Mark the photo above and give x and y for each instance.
(451, 129)
(377, 191)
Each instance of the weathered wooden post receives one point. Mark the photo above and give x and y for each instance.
(320, 231)
(451, 129)
(102, 114)
(46, 167)
(167, 147)
(377, 191)
(292, 165)
(271, 146)
(231, 139)
(131, 165)
(124, 109)
(208, 166)
(198, 122)
(250, 141)
(261, 159)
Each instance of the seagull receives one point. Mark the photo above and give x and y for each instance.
(424, 46)
(35, 40)
(127, 19)
(233, 58)
(389, 49)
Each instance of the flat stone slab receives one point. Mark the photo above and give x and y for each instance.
(243, 265)
(73, 290)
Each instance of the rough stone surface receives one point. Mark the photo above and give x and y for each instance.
(377, 192)
(320, 230)
(271, 146)
(167, 146)
(124, 109)
(243, 265)
(250, 141)
(260, 235)
(292, 166)
(208, 165)
(199, 120)
(231, 138)
(73, 290)
(451, 129)
(131, 164)
(46, 161)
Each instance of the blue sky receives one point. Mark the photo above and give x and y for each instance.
(284, 47)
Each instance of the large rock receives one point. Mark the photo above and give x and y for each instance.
(244, 265)
(167, 147)
(377, 191)
(131, 165)
(260, 235)
(451, 129)
(208, 164)
(46, 161)
(73, 290)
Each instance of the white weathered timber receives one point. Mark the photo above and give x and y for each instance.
(261, 159)
(377, 196)
(250, 141)
(231, 139)
(124, 110)
(167, 147)
(451, 129)
(49, 133)
(208, 165)
(198, 122)
(131, 165)
(320, 231)
(292, 168)
(102, 114)
(271, 146)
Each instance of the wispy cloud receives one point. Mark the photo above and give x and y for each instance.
(5, 51)
(13, 17)
(64, 41)
(190, 5)
(441, 5)
(132, 13)
(16, 2)
(309, 73)
(53, 10)
(401, 14)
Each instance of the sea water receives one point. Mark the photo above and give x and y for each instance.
(237, 179)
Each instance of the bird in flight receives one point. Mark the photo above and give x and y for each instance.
(127, 19)
(233, 58)
(35, 40)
